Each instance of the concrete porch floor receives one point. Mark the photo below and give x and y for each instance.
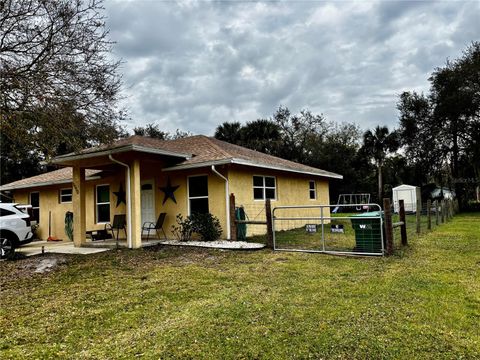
(112, 243)
(56, 247)
(66, 247)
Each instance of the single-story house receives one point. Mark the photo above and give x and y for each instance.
(143, 177)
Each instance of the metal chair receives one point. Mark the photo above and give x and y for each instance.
(119, 223)
(148, 226)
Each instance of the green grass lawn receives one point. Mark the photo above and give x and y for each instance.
(423, 303)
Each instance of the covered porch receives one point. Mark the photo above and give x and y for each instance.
(139, 169)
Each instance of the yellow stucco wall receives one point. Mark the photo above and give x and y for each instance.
(292, 189)
(49, 199)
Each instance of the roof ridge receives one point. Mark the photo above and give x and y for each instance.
(216, 146)
(273, 157)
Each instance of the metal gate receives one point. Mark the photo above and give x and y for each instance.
(329, 229)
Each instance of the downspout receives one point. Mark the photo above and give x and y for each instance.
(129, 213)
(227, 201)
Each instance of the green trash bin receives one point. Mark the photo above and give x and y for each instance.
(241, 228)
(368, 232)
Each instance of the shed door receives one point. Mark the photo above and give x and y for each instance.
(148, 202)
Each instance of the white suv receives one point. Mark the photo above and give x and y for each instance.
(15, 228)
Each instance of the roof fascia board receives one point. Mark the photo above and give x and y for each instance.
(281, 168)
(248, 163)
(44, 183)
(62, 158)
(198, 165)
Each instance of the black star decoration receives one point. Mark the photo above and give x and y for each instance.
(120, 196)
(169, 191)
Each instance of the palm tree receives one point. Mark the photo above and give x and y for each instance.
(229, 132)
(262, 135)
(376, 146)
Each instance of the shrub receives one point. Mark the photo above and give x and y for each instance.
(207, 226)
(184, 228)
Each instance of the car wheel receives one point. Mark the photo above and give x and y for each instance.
(6, 248)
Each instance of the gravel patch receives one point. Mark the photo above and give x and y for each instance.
(218, 244)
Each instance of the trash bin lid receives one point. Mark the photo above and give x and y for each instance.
(369, 214)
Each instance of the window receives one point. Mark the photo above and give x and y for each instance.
(198, 194)
(66, 195)
(5, 212)
(35, 202)
(103, 203)
(147, 187)
(264, 187)
(312, 189)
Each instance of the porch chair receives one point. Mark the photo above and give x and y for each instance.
(119, 223)
(148, 226)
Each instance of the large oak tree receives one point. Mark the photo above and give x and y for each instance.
(59, 85)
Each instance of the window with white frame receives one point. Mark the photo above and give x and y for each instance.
(102, 203)
(264, 187)
(66, 195)
(35, 202)
(312, 189)
(198, 194)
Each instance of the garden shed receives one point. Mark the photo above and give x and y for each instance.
(409, 194)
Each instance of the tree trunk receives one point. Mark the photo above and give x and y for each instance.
(380, 183)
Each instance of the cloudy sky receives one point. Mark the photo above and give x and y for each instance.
(193, 65)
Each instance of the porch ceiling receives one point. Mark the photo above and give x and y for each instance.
(101, 160)
(92, 159)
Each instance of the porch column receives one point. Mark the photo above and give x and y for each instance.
(79, 222)
(135, 205)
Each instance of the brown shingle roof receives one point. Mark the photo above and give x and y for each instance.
(193, 151)
(59, 176)
(210, 149)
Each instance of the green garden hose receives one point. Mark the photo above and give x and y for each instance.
(69, 224)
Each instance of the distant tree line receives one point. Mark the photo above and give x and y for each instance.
(437, 142)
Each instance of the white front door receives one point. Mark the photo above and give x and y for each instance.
(148, 202)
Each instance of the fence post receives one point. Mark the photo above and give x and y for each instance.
(403, 228)
(233, 223)
(387, 210)
(429, 214)
(268, 213)
(437, 214)
(419, 214)
(443, 211)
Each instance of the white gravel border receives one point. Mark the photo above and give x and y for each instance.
(218, 244)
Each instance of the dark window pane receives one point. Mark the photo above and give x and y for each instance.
(5, 212)
(199, 206)
(270, 193)
(103, 213)
(258, 193)
(312, 185)
(66, 195)
(35, 199)
(312, 194)
(36, 215)
(258, 181)
(103, 194)
(198, 186)
(270, 181)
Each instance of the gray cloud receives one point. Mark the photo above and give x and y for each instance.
(192, 65)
